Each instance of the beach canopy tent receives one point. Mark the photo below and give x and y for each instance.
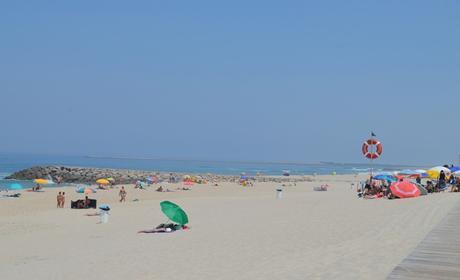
(174, 212)
(103, 182)
(15, 186)
(41, 181)
(404, 189)
(434, 172)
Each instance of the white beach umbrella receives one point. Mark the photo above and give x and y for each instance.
(434, 172)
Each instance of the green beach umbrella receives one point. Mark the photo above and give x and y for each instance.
(174, 212)
(422, 189)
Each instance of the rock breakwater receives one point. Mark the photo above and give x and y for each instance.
(66, 174)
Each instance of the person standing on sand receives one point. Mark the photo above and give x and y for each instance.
(58, 199)
(122, 194)
(62, 199)
(441, 180)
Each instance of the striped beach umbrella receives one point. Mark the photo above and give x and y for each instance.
(404, 189)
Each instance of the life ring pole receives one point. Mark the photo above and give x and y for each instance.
(372, 151)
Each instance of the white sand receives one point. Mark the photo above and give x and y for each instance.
(237, 233)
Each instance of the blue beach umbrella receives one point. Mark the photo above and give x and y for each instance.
(16, 186)
(104, 207)
(455, 169)
(385, 177)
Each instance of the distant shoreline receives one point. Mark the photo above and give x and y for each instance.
(251, 162)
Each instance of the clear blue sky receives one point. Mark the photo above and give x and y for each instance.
(243, 80)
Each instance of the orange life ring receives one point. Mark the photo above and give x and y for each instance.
(372, 142)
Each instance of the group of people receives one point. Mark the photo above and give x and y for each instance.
(375, 189)
(444, 182)
(381, 188)
(37, 188)
(84, 203)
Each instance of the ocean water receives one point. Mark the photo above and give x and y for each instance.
(10, 163)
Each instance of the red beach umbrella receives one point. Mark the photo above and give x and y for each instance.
(404, 189)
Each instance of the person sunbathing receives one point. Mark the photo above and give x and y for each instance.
(161, 189)
(16, 195)
(81, 204)
(93, 214)
(37, 188)
(390, 195)
(164, 228)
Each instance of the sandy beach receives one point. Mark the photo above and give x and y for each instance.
(236, 233)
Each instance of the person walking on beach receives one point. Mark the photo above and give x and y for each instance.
(122, 194)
